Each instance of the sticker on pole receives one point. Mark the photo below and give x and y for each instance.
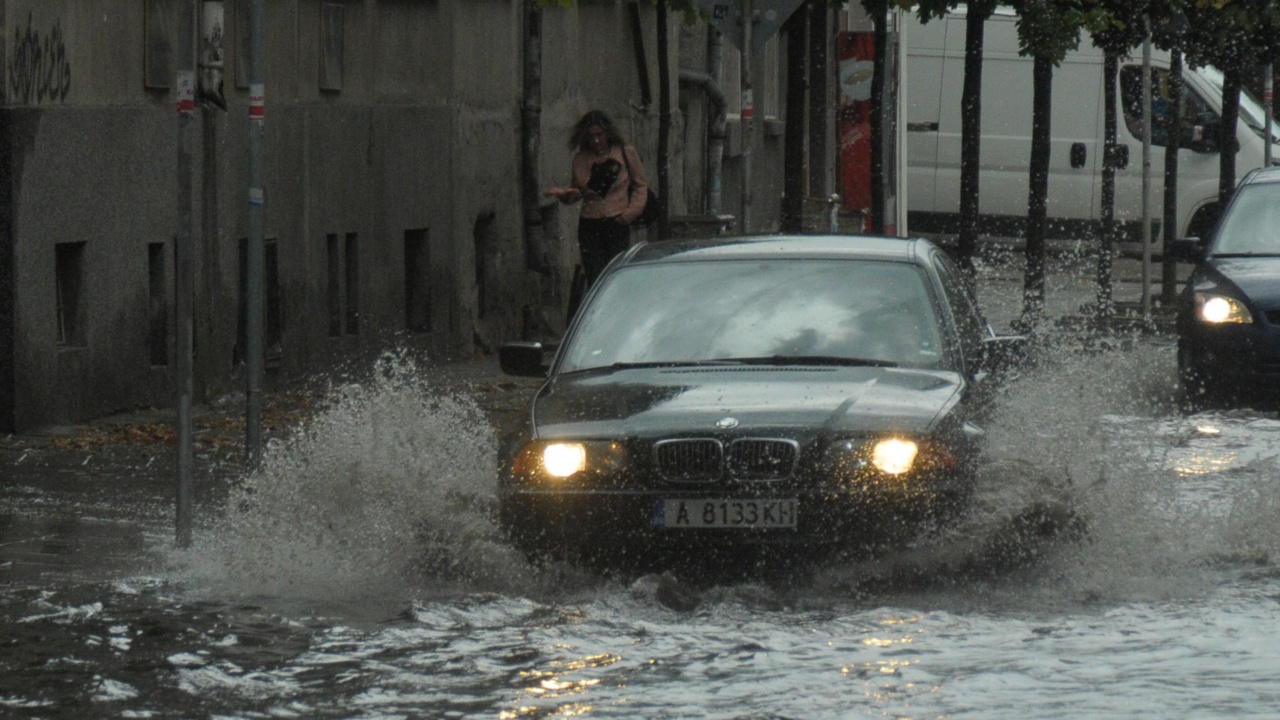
(186, 91)
(257, 103)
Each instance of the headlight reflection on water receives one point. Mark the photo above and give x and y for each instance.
(554, 685)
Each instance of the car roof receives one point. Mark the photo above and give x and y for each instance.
(1262, 175)
(755, 247)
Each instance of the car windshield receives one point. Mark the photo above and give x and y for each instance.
(1251, 225)
(784, 311)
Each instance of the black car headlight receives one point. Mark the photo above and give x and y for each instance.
(1217, 309)
(568, 461)
(895, 457)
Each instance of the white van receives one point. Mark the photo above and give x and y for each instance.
(934, 77)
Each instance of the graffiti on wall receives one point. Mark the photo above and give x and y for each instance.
(38, 67)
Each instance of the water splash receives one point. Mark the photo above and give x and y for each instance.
(386, 489)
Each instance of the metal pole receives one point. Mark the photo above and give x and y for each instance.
(184, 280)
(254, 262)
(1266, 106)
(748, 114)
(1146, 170)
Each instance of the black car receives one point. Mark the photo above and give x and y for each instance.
(809, 393)
(1228, 315)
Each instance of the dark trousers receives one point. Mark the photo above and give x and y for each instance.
(598, 242)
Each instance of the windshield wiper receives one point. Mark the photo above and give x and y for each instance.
(825, 360)
(647, 364)
(1246, 255)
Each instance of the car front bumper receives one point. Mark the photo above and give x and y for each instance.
(1239, 357)
(628, 526)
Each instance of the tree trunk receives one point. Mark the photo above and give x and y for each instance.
(1169, 266)
(1110, 160)
(971, 136)
(1227, 136)
(877, 124)
(796, 31)
(1037, 217)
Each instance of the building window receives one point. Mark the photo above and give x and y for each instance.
(331, 38)
(272, 321)
(485, 243)
(334, 284)
(417, 280)
(353, 284)
(158, 305)
(343, 284)
(243, 41)
(69, 288)
(161, 25)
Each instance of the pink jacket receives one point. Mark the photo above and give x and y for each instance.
(626, 197)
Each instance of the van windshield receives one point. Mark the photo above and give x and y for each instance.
(1252, 112)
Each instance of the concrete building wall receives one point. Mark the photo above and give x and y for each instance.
(417, 144)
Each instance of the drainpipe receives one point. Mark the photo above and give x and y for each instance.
(715, 133)
(535, 253)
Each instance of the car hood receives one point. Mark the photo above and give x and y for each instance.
(1258, 278)
(800, 401)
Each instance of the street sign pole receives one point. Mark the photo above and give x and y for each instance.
(254, 360)
(1146, 170)
(183, 251)
(748, 116)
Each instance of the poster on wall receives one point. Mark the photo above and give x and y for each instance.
(857, 63)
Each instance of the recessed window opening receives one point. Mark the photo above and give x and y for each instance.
(69, 287)
(272, 322)
(334, 291)
(353, 284)
(343, 283)
(417, 281)
(482, 237)
(157, 305)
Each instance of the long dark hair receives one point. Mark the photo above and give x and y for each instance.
(578, 139)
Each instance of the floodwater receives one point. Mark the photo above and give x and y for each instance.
(1120, 561)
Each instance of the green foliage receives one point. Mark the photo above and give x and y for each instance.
(1232, 34)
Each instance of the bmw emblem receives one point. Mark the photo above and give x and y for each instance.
(727, 423)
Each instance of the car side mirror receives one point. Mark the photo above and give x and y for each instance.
(523, 359)
(1188, 249)
(1003, 353)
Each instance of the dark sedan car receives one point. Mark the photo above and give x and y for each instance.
(1228, 315)
(812, 393)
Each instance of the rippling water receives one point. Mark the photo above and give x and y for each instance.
(1120, 562)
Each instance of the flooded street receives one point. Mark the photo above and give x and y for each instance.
(1120, 560)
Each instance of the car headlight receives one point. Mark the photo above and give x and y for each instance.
(1221, 310)
(892, 456)
(562, 461)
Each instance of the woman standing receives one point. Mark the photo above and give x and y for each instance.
(609, 180)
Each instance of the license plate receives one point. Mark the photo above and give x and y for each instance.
(725, 513)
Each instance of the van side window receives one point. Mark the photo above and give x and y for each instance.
(1195, 110)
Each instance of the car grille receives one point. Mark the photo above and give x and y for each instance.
(1273, 317)
(706, 459)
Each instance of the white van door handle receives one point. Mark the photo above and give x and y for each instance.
(1079, 155)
